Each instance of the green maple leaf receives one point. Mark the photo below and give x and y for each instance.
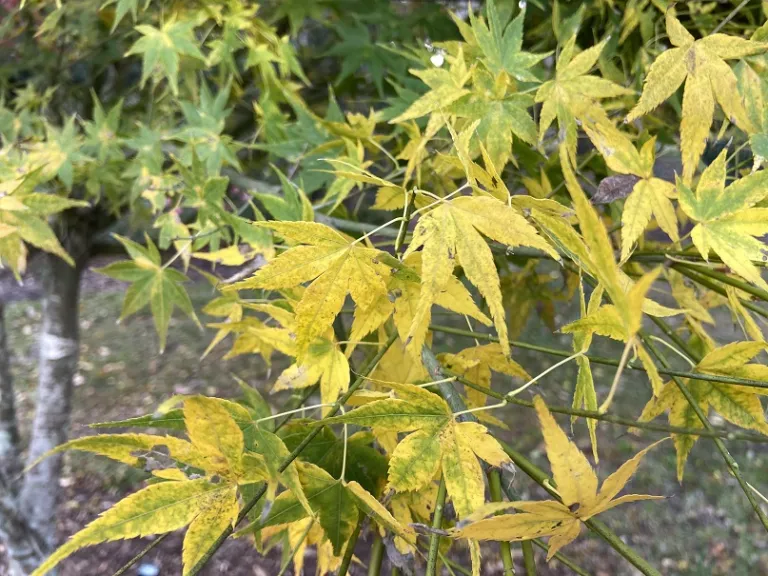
(148, 145)
(151, 284)
(501, 115)
(101, 133)
(365, 464)
(726, 220)
(123, 8)
(753, 89)
(299, 10)
(59, 153)
(502, 45)
(204, 130)
(163, 47)
(358, 50)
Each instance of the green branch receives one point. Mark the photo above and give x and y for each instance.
(732, 380)
(350, 549)
(618, 420)
(707, 282)
(494, 486)
(437, 522)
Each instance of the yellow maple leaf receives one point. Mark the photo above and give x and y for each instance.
(436, 442)
(577, 486)
(333, 263)
(650, 196)
(701, 64)
(739, 405)
(450, 235)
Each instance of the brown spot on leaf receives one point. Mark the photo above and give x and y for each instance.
(615, 188)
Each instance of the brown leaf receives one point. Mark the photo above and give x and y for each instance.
(614, 188)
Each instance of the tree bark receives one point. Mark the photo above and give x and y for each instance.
(24, 547)
(9, 432)
(59, 352)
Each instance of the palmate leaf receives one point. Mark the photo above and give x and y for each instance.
(157, 509)
(451, 235)
(330, 500)
(739, 405)
(501, 44)
(151, 283)
(447, 86)
(650, 196)
(579, 497)
(701, 64)
(335, 265)
(476, 363)
(502, 114)
(324, 362)
(401, 302)
(727, 221)
(436, 442)
(163, 47)
(573, 94)
(335, 503)
(24, 213)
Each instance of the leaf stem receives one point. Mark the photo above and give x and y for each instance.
(730, 16)
(494, 485)
(437, 521)
(147, 549)
(673, 349)
(292, 555)
(344, 452)
(507, 397)
(617, 377)
(294, 411)
(410, 202)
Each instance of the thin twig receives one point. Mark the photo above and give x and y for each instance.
(147, 549)
(730, 16)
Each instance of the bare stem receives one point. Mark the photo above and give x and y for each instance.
(617, 378)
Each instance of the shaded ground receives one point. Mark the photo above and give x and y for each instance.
(704, 527)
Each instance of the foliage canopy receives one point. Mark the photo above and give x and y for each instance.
(322, 166)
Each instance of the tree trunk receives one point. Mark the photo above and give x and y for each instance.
(59, 348)
(9, 432)
(24, 547)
